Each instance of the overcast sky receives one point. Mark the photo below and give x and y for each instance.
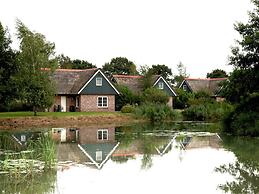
(199, 33)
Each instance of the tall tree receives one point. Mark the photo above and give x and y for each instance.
(162, 70)
(245, 59)
(36, 60)
(217, 73)
(182, 73)
(120, 65)
(8, 69)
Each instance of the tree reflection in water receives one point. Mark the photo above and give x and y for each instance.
(245, 170)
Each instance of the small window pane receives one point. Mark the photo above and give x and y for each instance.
(105, 135)
(99, 81)
(99, 135)
(99, 155)
(161, 85)
(23, 138)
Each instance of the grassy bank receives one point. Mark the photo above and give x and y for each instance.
(56, 114)
(14, 120)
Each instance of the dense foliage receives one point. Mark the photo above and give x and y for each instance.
(154, 95)
(217, 73)
(120, 66)
(66, 63)
(8, 70)
(126, 97)
(244, 81)
(244, 119)
(156, 112)
(36, 54)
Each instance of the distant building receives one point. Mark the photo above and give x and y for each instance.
(211, 86)
(134, 83)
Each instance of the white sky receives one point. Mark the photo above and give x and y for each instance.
(198, 33)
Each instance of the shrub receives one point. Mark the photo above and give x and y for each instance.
(128, 109)
(207, 111)
(126, 97)
(182, 99)
(154, 95)
(244, 119)
(156, 112)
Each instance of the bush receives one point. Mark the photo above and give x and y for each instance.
(182, 99)
(128, 109)
(244, 119)
(155, 112)
(126, 97)
(155, 96)
(207, 111)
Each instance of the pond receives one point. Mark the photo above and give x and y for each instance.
(128, 159)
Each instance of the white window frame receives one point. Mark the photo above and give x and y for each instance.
(98, 156)
(102, 131)
(102, 106)
(160, 85)
(23, 138)
(184, 88)
(99, 81)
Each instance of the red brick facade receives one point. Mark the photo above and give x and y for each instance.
(89, 135)
(89, 103)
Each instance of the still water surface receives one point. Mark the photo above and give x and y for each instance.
(138, 159)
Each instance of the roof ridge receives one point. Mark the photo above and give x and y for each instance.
(128, 76)
(78, 70)
(207, 78)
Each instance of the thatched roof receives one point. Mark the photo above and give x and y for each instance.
(210, 85)
(70, 81)
(133, 82)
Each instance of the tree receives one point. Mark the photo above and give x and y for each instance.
(243, 85)
(245, 58)
(36, 59)
(66, 63)
(8, 70)
(162, 70)
(217, 73)
(182, 74)
(120, 65)
(82, 64)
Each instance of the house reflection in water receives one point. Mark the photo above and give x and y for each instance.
(90, 146)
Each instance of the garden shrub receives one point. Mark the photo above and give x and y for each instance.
(128, 109)
(207, 111)
(154, 95)
(156, 112)
(244, 119)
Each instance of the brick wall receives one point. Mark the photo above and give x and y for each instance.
(89, 135)
(89, 103)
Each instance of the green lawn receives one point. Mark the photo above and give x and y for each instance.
(56, 114)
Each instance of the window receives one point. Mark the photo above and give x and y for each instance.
(160, 85)
(98, 155)
(184, 88)
(99, 81)
(23, 138)
(102, 101)
(102, 134)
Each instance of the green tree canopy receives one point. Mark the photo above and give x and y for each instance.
(66, 63)
(162, 70)
(245, 58)
(217, 73)
(8, 69)
(120, 65)
(36, 54)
